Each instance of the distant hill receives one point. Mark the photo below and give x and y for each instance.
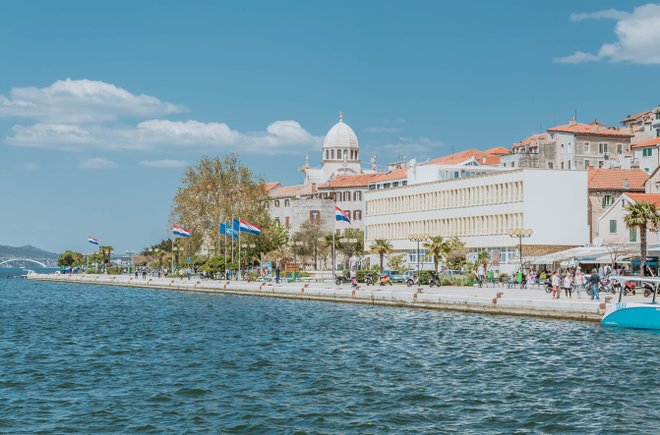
(26, 251)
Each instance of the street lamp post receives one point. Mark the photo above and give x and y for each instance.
(520, 233)
(174, 251)
(130, 260)
(418, 238)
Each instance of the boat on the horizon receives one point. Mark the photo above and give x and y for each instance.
(634, 315)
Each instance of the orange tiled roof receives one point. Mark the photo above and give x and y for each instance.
(290, 191)
(612, 179)
(648, 143)
(531, 140)
(357, 180)
(593, 129)
(397, 174)
(457, 158)
(653, 198)
(271, 186)
(497, 150)
(636, 116)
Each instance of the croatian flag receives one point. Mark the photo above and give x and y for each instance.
(178, 231)
(341, 215)
(246, 227)
(92, 240)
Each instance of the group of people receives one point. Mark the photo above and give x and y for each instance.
(575, 280)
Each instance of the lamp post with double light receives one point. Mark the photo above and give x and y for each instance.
(520, 233)
(130, 253)
(418, 238)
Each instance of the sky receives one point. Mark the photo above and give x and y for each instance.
(103, 104)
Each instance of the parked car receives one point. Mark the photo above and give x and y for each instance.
(395, 275)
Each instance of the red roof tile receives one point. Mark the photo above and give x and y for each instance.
(612, 179)
(637, 116)
(652, 198)
(649, 143)
(397, 174)
(271, 186)
(357, 180)
(593, 129)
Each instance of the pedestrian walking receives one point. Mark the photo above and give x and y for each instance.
(277, 274)
(594, 281)
(481, 273)
(579, 282)
(556, 285)
(568, 285)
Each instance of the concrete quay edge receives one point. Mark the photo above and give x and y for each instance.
(396, 297)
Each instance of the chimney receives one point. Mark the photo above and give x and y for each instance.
(625, 183)
(573, 121)
(594, 126)
(314, 189)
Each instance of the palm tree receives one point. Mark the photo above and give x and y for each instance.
(438, 248)
(483, 257)
(642, 215)
(381, 247)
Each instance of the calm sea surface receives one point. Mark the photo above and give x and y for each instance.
(98, 359)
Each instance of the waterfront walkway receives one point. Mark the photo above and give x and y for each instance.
(493, 300)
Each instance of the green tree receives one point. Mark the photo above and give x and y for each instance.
(396, 262)
(438, 248)
(642, 216)
(106, 253)
(381, 247)
(214, 190)
(309, 240)
(483, 257)
(70, 258)
(349, 244)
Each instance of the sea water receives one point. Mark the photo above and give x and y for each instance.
(93, 359)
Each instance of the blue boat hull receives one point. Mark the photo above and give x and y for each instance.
(637, 316)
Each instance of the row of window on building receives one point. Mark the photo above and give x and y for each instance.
(502, 255)
(355, 215)
(342, 154)
(468, 196)
(341, 196)
(461, 226)
(632, 232)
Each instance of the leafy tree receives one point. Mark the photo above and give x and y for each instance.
(70, 258)
(164, 245)
(214, 190)
(642, 215)
(438, 248)
(106, 252)
(483, 257)
(396, 262)
(456, 254)
(216, 264)
(381, 247)
(309, 240)
(350, 243)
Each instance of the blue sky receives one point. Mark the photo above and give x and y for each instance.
(102, 102)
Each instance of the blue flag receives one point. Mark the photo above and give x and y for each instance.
(225, 229)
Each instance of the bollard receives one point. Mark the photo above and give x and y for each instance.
(494, 301)
(608, 299)
(353, 293)
(602, 306)
(500, 294)
(302, 290)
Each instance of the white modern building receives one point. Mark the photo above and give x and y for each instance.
(480, 209)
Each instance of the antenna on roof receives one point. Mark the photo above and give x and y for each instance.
(575, 115)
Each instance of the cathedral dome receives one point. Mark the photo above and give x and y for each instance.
(340, 136)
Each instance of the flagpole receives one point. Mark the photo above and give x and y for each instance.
(172, 271)
(240, 270)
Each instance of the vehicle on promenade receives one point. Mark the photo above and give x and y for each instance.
(395, 276)
(636, 315)
(341, 279)
(604, 286)
(411, 278)
(434, 279)
(384, 279)
(368, 279)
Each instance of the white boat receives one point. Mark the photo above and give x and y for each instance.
(636, 315)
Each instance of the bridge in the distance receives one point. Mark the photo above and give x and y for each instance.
(18, 262)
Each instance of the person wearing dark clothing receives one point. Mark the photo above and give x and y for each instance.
(594, 281)
(277, 274)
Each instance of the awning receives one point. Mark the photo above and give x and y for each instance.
(582, 254)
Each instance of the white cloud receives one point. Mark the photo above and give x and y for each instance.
(279, 137)
(166, 163)
(98, 163)
(81, 101)
(30, 166)
(638, 34)
(79, 115)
